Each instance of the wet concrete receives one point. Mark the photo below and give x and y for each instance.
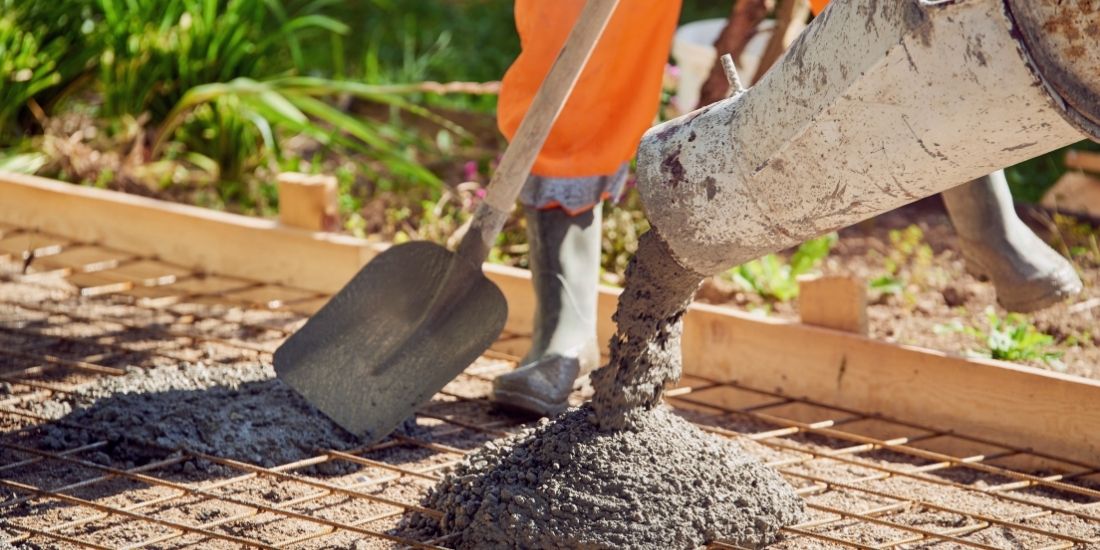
(645, 352)
(622, 471)
(240, 412)
(662, 483)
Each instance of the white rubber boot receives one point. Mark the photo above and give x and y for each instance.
(565, 267)
(1027, 274)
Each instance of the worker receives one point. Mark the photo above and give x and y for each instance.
(586, 159)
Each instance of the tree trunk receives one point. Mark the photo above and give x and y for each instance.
(744, 18)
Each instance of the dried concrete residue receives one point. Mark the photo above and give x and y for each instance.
(662, 483)
(620, 472)
(238, 412)
(645, 352)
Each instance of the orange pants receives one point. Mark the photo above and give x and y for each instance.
(618, 93)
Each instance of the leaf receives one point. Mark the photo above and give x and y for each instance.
(25, 163)
(887, 284)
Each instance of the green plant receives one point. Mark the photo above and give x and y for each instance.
(154, 51)
(1030, 179)
(623, 223)
(296, 105)
(41, 50)
(909, 260)
(442, 41)
(1075, 239)
(1011, 338)
(775, 279)
(26, 68)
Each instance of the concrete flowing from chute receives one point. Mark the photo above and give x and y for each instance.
(622, 471)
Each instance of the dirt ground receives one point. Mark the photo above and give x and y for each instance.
(71, 476)
(940, 296)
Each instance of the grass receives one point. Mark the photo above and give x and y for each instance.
(154, 51)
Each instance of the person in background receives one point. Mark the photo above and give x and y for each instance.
(586, 160)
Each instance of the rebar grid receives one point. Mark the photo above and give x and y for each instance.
(829, 454)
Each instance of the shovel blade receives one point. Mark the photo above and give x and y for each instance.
(409, 322)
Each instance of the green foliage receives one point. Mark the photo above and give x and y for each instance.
(41, 50)
(1030, 179)
(294, 105)
(907, 250)
(623, 223)
(154, 51)
(399, 42)
(1010, 338)
(1077, 240)
(775, 279)
(908, 261)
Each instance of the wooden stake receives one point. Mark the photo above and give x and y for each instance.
(836, 302)
(308, 201)
(1074, 192)
(1083, 160)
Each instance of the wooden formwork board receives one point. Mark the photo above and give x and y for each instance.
(999, 402)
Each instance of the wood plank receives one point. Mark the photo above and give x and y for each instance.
(838, 302)
(1002, 402)
(196, 238)
(308, 201)
(1074, 192)
(1088, 161)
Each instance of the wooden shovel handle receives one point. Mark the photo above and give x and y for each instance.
(520, 155)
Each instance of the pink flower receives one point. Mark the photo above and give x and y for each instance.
(469, 170)
(672, 70)
(480, 193)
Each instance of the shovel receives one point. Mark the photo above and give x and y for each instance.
(418, 314)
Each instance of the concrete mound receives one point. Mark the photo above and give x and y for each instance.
(661, 483)
(240, 412)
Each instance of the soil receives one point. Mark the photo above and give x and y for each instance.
(940, 296)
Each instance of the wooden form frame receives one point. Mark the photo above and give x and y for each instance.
(1000, 402)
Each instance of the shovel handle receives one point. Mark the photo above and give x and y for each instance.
(520, 155)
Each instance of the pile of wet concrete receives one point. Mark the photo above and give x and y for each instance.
(230, 411)
(662, 483)
(623, 471)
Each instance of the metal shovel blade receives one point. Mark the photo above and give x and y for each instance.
(409, 322)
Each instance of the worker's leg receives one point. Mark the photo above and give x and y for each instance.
(565, 270)
(564, 234)
(1027, 273)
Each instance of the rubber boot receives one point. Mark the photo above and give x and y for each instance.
(565, 270)
(1027, 274)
